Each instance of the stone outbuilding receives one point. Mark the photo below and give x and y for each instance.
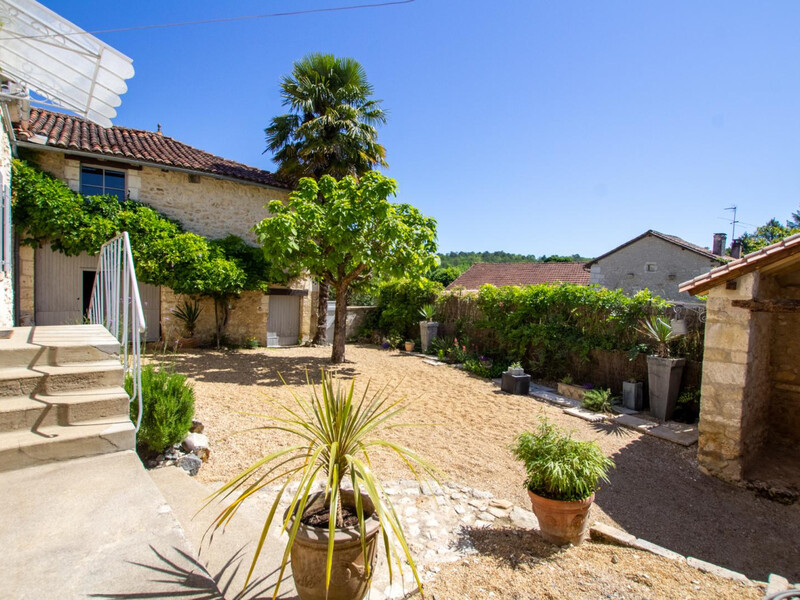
(750, 404)
(655, 261)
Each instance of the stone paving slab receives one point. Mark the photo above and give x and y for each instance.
(586, 415)
(707, 567)
(685, 435)
(621, 410)
(434, 363)
(635, 423)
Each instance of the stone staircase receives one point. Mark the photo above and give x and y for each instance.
(61, 395)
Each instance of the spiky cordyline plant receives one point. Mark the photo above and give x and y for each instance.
(660, 331)
(335, 428)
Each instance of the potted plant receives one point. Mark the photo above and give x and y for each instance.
(562, 477)
(663, 372)
(515, 381)
(333, 534)
(427, 328)
(188, 313)
(409, 345)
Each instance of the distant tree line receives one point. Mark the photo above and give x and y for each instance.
(453, 264)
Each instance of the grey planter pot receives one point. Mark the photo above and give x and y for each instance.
(516, 384)
(664, 381)
(427, 331)
(633, 395)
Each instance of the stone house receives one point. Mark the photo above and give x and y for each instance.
(657, 262)
(750, 406)
(524, 273)
(207, 194)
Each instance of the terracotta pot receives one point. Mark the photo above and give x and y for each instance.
(562, 522)
(409, 346)
(188, 342)
(349, 579)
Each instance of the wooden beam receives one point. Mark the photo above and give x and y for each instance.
(773, 306)
(274, 291)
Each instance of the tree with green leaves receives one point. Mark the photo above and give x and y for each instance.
(330, 129)
(769, 233)
(352, 236)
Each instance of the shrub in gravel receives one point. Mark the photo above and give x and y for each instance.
(598, 400)
(167, 408)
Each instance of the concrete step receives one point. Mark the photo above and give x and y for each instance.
(65, 408)
(50, 379)
(94, 527)
(57, 345)
(25, 448)
(228, 555)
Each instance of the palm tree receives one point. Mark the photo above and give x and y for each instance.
(330, 129)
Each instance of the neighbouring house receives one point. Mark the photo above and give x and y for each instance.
(209, 195)
(750, 406)
(521, 273)
(657, 262)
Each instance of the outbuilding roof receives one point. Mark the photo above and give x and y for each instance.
(68, 132)
(777, 252)
(672, 239)
(521, 273)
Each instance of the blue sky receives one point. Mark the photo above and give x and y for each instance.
(525, 126)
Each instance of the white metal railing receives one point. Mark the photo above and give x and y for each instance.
(117, 306)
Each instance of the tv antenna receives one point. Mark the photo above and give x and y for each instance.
(733, 221)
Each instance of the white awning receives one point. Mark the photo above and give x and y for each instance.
(61, 62)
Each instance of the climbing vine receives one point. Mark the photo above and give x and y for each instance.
(45, 209)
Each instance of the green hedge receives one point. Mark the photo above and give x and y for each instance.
(547, 326)
(398, 306)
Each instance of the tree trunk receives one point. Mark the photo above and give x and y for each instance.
(322, 314)
(339, 325)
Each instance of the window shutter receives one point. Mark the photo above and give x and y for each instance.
(5, 226)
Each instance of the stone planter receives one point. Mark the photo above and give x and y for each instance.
(427, 331)
(576, 392)
(348, 575)
(633, 395)
(664, 380)
(562, 522)
(516, 384)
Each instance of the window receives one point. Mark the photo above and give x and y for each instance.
(96, 181)
(5, 226)
(650, 267)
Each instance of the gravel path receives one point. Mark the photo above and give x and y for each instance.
(656, 491)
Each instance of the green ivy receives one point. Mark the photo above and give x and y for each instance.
(164, 254)
(399, 303)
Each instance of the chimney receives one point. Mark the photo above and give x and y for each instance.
(736, 249)
(159, 130)
(719, 244)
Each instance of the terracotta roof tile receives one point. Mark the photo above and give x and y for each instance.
(773, 253)
(525, 273)
(74, 133)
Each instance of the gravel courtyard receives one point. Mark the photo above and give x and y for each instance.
(656, 492)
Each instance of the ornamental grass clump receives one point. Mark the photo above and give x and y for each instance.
(335, 431)
(559, 467)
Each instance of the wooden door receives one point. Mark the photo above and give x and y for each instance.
(283, 320)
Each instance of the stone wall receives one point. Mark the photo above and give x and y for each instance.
(627, 269)
(734, 398)
(247, 317)
(211, 207)
(6, 278)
